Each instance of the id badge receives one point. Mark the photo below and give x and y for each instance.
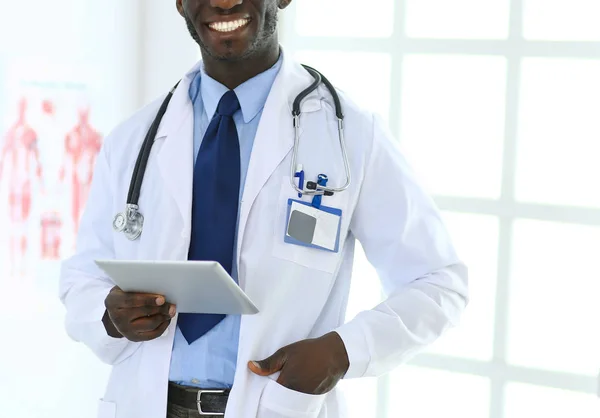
(311, 227)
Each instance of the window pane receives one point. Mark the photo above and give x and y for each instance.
(554, 290)
(558, 146)
(346, 69)
(476, 240)
(361, 397)
(452, 124)
(463, 19)
(526, 401)
(346, 18)
(561, 20)
(424, 393)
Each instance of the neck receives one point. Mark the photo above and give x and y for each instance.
(234, 73)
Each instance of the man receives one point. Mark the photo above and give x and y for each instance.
(217, 187)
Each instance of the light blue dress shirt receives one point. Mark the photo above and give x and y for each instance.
(210, 361)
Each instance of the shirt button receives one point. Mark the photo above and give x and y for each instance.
(195, 381)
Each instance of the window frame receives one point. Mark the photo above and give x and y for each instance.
(506, 209)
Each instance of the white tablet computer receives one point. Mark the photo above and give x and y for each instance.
(194, 286)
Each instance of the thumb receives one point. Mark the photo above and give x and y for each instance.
(269, 365)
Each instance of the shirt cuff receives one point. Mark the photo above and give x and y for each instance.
(357, 348)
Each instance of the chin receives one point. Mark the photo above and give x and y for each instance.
(228, 52)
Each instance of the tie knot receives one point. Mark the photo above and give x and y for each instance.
(229, 104)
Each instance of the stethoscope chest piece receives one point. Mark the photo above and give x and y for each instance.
(130, 222)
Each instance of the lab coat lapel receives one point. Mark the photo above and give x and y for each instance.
(274, 138)
(175, 158)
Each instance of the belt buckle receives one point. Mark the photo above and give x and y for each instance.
(199, 402)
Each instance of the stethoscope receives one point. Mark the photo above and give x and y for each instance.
(131, 221)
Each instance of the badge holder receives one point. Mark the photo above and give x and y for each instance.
(312, 224)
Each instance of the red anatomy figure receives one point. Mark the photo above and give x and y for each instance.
(19, 164)
(51, 225)
(82, 145)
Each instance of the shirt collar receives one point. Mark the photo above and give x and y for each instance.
(252, 94)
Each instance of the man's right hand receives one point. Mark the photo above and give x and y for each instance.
(136, 316)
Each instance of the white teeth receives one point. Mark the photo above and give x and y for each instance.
(229, 26)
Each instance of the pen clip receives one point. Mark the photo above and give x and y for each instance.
(300, 175)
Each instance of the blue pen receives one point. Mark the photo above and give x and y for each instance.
(300, 175)
(322, 181)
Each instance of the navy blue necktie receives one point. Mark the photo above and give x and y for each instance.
(215, 204)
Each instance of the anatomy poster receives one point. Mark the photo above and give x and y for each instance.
(48, 148)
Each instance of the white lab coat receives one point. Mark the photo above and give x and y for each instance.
(301, 292)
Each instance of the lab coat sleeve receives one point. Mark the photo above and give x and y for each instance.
(403, 236)
(83, 286)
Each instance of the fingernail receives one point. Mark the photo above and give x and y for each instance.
(160, 301)
(172, 311)
(256, 365)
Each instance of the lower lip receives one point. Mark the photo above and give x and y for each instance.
(231, 32)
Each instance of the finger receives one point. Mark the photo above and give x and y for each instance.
(151, 335)
(149, 323)
(138, 300)
(168, 310)
(113, 297)
(269, 365)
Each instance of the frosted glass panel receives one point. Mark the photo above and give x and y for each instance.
(558, 143)
(464, 19)
(364, 76)
(347, 18)
(527, 401)
(424, 393)
(554, 288)
(561, 20)
(476, 240)
(452, 123)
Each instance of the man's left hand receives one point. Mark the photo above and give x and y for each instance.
(312, 366)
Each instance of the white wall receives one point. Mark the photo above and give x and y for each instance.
(168, 50)
(103, 37)
(42, 372)
(125, 54)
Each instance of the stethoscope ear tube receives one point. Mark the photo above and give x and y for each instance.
(133, 195)
(318, 78)
(298, 101)
(131, 222)
(139, 170)
(312, 188)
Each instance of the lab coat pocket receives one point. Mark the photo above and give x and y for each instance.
(278, 401)
(312, 258)
(107, 409)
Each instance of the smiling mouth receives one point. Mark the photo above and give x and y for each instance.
(232, 26)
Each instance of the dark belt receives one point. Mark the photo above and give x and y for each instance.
(206, 402)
